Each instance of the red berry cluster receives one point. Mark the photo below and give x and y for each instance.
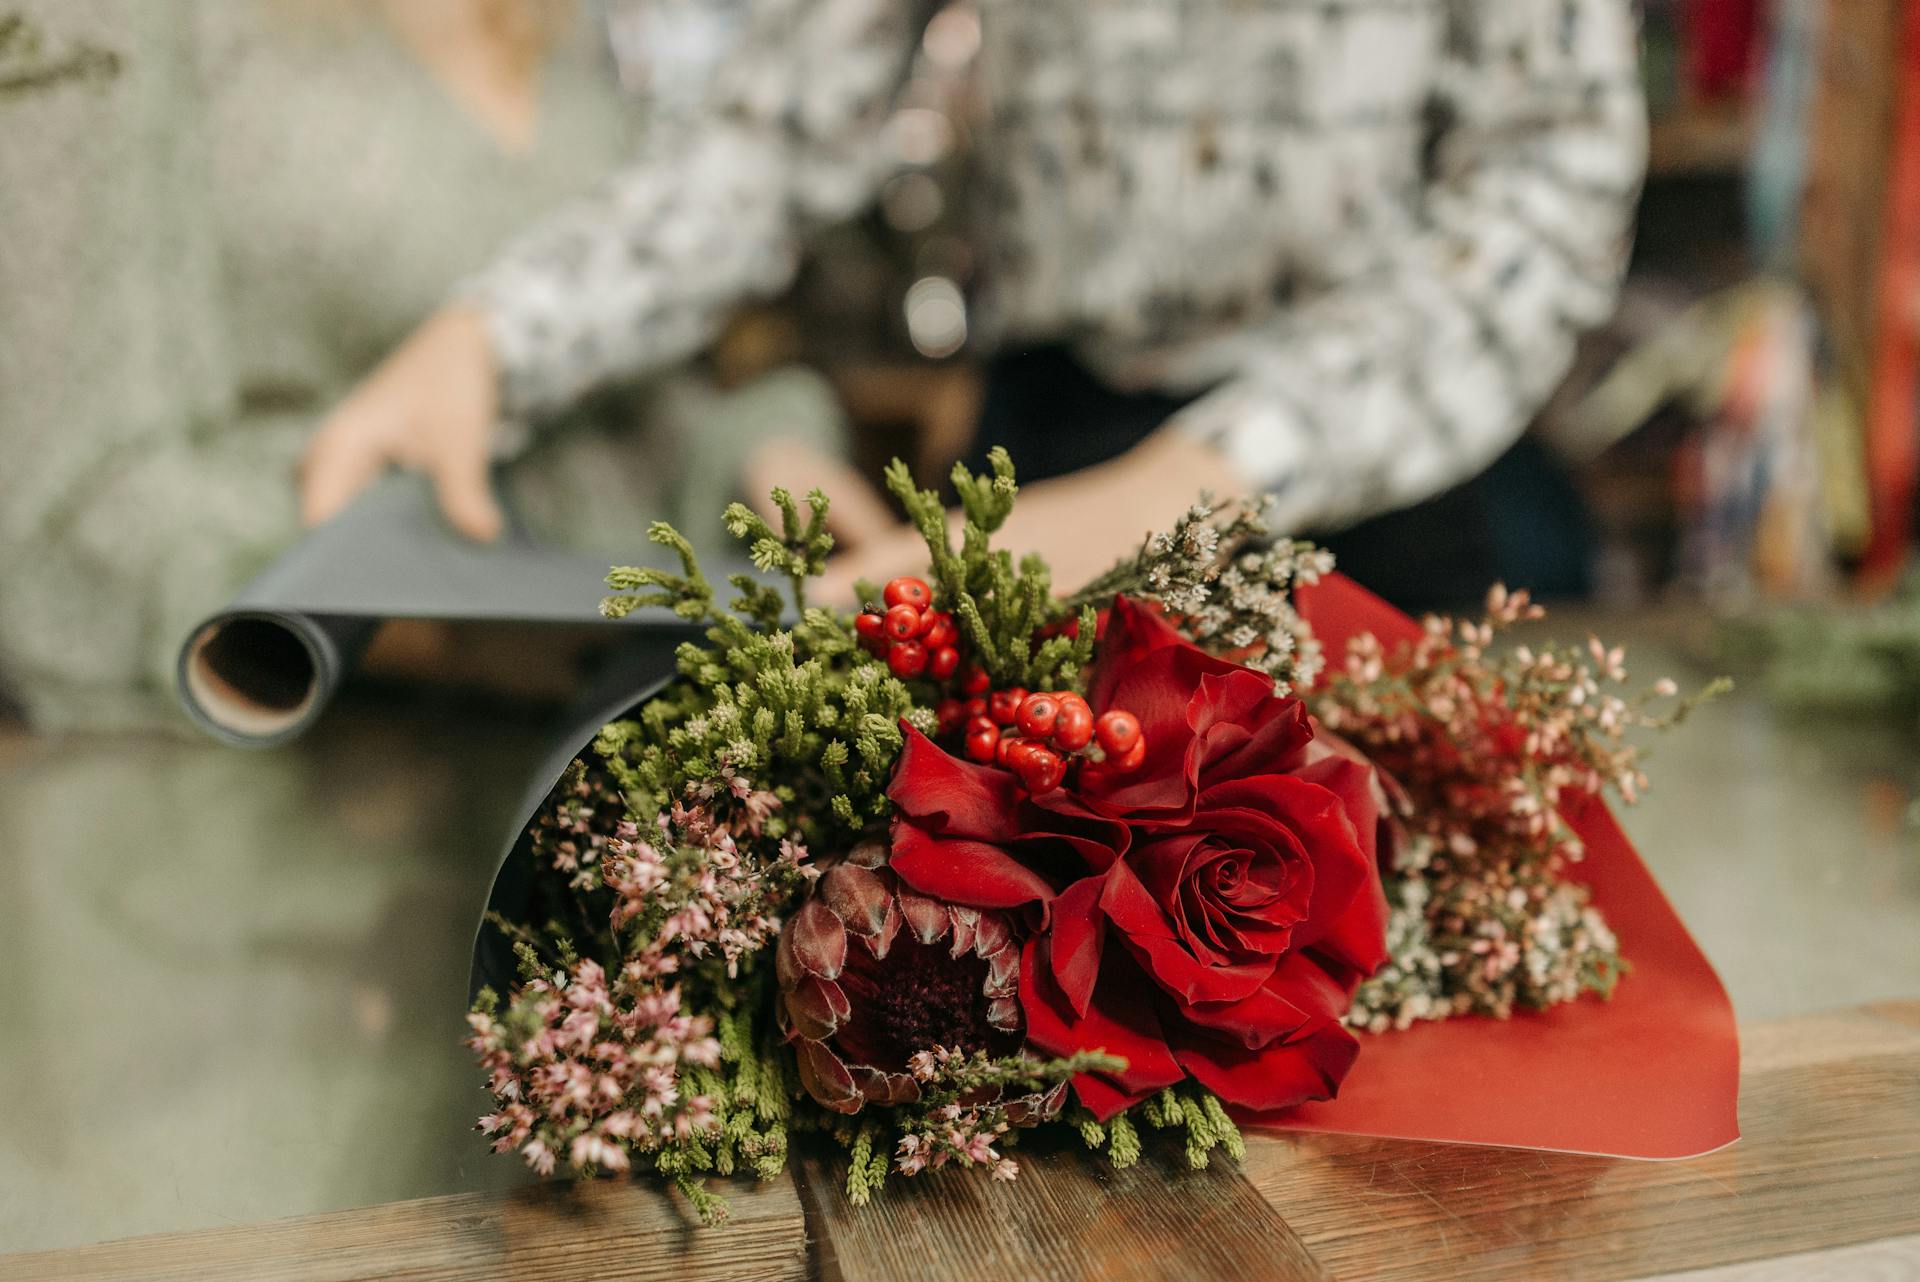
(1036, 734)
(915, 639)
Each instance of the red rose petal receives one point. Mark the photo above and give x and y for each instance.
(1300, 995)
(1274, 733)
(1103, 1098)
(1278, 1076)
(974, 873)
(1118, 1021)
(948, 795)
(1077, 929)
(1348, 912)
(1149, 936)
(1129, 634)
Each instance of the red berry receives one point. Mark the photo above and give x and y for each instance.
(903, 622)
(977, 707)
(942, 661)
(1040, 769)
(1118, 731)
(1004, 705)
(940, 631)
(1132, 757)
(950, 714)
(1008, 744)
(983, 741)
(907, 590)
(1073, 725)
(974, 681)
(1036, 715)
(907, 660)
(867, 623)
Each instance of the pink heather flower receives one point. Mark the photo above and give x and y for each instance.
(595, 1059)
(591, 1066)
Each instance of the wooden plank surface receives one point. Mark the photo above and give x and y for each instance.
(1064, 1219)
(1826, 1183)
(601, 1229)
(1830, 1109)
(1892, 1260)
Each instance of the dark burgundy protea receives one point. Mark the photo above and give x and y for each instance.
(859, 995)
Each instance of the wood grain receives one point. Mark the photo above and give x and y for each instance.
(603, 1229)
(1826, 1183)
(1066, 1218)
(1830, 1106)
(1893, 1260)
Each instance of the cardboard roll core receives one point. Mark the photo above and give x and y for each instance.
(256, 679)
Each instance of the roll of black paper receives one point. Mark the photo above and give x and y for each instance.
(260, 672)
(628, 683)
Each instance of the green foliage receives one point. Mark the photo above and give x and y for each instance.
(1123, 1142)
(1195, 1110)
(998, 604)
(752, 1094)
(687, 594)
(800, 710)
(796, 551)
(1193, 1113)
(866, 1164)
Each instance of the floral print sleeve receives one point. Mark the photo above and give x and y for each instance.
(641, 273)
(1413, 375)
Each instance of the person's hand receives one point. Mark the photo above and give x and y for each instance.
(429, 407)
(1081, 524)
(856, 516)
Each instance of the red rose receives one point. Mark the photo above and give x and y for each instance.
(1207, 914)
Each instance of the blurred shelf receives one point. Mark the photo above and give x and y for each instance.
(1701, 139)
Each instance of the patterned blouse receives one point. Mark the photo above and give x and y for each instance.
(1369, 230)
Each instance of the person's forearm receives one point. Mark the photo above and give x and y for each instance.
(1080, 523)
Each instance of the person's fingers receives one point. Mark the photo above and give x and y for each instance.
(835, 584)
(463, 484)
(336, 467)
(857, 516)
(898, 550)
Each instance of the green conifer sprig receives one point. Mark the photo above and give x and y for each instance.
(796, 551)
(1192, 1108)
(687, 594)
(1000, 605)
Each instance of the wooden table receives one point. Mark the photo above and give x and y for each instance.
(1826, 1183)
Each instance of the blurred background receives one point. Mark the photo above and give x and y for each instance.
(236, 980)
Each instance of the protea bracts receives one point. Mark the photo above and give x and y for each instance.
(871, 973)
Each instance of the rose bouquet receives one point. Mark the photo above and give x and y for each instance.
(985, 856)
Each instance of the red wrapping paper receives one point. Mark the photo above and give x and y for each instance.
(1652, 1073)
